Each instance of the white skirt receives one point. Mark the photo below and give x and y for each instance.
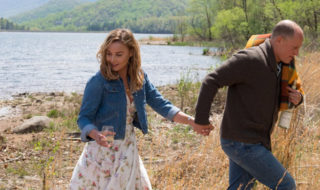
(116, 168)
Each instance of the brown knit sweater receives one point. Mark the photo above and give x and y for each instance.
(253, 95)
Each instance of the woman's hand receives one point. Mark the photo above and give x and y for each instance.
(100, 138)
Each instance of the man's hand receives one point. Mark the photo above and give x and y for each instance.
(294, 96)
(202, 129)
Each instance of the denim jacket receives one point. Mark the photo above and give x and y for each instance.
(104, 103)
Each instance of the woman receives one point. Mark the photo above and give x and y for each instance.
(116, 96)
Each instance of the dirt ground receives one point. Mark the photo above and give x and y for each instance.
(46, 159)
(24, 157)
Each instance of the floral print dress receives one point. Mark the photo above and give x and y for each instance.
(117, 168)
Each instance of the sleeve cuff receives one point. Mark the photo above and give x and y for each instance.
(201, 118)
(173, 111)
(85, 132)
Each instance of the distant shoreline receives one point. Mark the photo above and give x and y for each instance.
(32, 31)
(145, 41)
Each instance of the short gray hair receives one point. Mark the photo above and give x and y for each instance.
(285, 28)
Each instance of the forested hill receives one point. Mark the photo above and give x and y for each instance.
(13, 7)
(7, 25)
(139, 15)
(51, 7)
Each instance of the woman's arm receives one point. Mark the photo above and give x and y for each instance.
(159, 104)
(183, 118)
(169, 111)
(90, 104)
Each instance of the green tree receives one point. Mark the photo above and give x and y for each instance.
(8, 25)
(261, 17)
(234, 21)
(306, 13)
(156, 16)
(231, 26)
(202, 17)
(181, 26)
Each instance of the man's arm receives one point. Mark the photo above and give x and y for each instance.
(233, 71)
(208, 90)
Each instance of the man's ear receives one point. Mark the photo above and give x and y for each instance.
(280, 39)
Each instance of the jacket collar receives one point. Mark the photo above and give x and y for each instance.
(268, 52)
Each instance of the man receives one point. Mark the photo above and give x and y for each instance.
(253, 102)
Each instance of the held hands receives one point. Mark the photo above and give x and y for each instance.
(202, 129)
(294, 95)
(183, 118)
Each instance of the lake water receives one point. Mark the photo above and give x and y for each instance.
(49, 62)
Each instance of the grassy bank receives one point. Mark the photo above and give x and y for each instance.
(174, 156)
(201, 164)
(177, 41)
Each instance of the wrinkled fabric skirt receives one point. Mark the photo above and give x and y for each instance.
(116, 168)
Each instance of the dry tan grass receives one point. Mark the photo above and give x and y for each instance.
(205, 166)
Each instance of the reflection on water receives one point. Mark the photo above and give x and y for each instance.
(45, 62)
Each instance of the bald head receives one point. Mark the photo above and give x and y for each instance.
(286, 40)
(286, 28)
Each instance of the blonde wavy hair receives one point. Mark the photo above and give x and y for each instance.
(135, 72)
